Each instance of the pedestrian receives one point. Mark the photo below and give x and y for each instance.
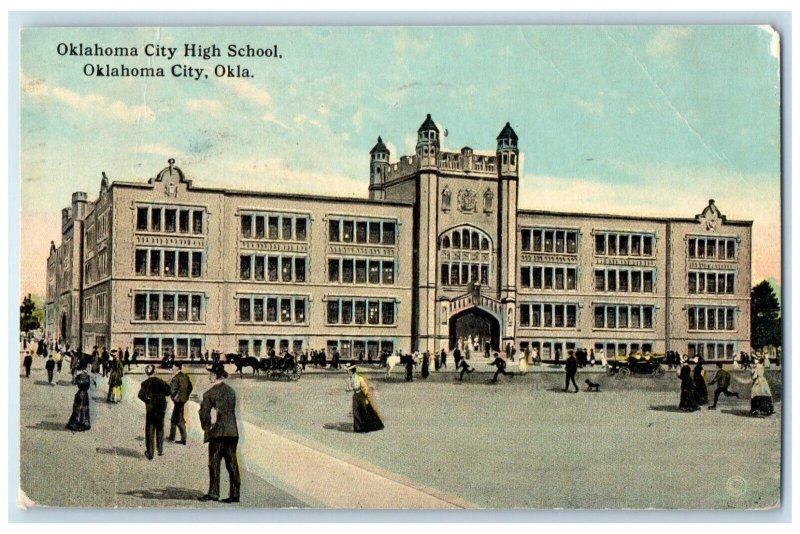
(105, 362)
(537, 358)
(426, 365)
(456, 357)
(523, 363)
(487, 348)
(27, 361)
(335, 359)
(366, 417)
(500, 363)
(443, 358)
(571, 368)
(760, 393)
(222, 435)
(59, 359)
(591, 357)
(437, 361)
(409, 364)
(154, 392)
(701, 389)
(465, 368)
(558, 357)
(688, 401)
(50, 366)
(126, 361)
(722, 379)
(95, 360)
(181, 387)
(80, 419)
(115, 380)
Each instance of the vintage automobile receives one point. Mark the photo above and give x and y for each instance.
(647, 364)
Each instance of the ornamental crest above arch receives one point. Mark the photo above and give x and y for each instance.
(467, 200)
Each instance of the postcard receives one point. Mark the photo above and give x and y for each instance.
(381, 267)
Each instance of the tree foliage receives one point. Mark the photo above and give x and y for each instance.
(28, 319)
(765, 320)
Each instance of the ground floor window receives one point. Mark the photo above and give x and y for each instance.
(622, 349)
(550, 349)
(158, 347)
(263, 347)
(361, 349)
(712, 350)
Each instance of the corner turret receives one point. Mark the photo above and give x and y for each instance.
(507, 151)
(428, 143)
(378, 169)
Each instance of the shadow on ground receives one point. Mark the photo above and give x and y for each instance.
(169, 493)
(42, 383)
(739, 412)
(120, 451)
(48, 425)
(667, 408)
(341, 427)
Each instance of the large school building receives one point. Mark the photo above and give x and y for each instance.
(439, 252)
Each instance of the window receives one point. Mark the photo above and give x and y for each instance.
(168, 307)
(195, 307)
(258, 268)
(361, 232)
(183, 263)
(244, 267)
(183, 221)
(183, 307)
(333, 231)
(155, 262)
(525, 276)
(524, 315)
(154, 308)
(141, 262)
(333, 311)
(258, 310)
(272, 310)
(140, 307)
(273, 223)
(260, 232)
(197, 260)
(141, 218)
(197, 222)
(333, 270)
(244, 310)
(300, 230)
(299, 269)
(299, 311)
(388, 272)
(286, 225)
(170, 220)
(347, 231)
(169, 263)
(374, 272)
(155, 219)
(526, 240)
(572, 242)
(247, 226)
(286, 310)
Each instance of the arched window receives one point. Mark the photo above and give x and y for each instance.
(484, 244)
(475, 241)
(465, 239)
(456, 240)
(445, 242)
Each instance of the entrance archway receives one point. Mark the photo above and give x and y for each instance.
(63, 328)
(475, 323)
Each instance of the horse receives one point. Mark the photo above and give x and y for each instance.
(245, 361)
(391, 362)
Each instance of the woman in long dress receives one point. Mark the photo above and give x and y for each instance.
(688, 402)
(80, 420)
(700, 385)
(115, 381)
(366, 417)
(760, 394)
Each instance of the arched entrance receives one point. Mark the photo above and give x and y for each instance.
(63, 329)
(475, 323)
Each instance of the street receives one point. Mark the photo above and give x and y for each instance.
(521, 443)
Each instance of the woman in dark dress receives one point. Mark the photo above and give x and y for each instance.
(366, 417)
(80, 420)
(688, 402)
(700, 385)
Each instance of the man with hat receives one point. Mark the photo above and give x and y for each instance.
(154, 393)
(221, 435)
(181, 387)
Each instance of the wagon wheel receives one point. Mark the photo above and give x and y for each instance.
(659, 371)
(295, 373)
(610, 371)
(624, 372)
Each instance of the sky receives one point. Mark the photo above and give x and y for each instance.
(627, 120)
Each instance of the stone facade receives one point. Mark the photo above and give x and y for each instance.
(439, 252)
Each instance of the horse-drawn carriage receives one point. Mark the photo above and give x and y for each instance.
(623, 367)
(276, 367)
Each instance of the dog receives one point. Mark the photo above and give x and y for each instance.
(591, 386)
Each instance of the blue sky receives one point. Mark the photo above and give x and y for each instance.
(630, 120)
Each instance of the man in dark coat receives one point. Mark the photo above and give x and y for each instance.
(27, 361)
(500, 363)
(443, 359)
(154, 393)
(221, 435)
(409, 364)
(465, 368)
(571, 367)
(457, 356)
(181, 387)
(50, 367)
(723, 380)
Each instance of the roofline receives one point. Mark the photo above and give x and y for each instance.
(627, 217)
(263, 194)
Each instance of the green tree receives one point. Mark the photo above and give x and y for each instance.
(28, 319)
(765, 319)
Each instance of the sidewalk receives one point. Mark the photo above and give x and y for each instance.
(106, 465)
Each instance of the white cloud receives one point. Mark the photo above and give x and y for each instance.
(666, 40)
(300, 118)
(97, 104)
(269, 117)
(247, 91)
(323, 110)
(403, 44)
(205, 105)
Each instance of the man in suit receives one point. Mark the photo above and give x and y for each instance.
(571, 367)
(465, 368)
(181, 387)
(50, 367)
(154, 393)
(723, 380)
(500, 363)
(222, 435)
